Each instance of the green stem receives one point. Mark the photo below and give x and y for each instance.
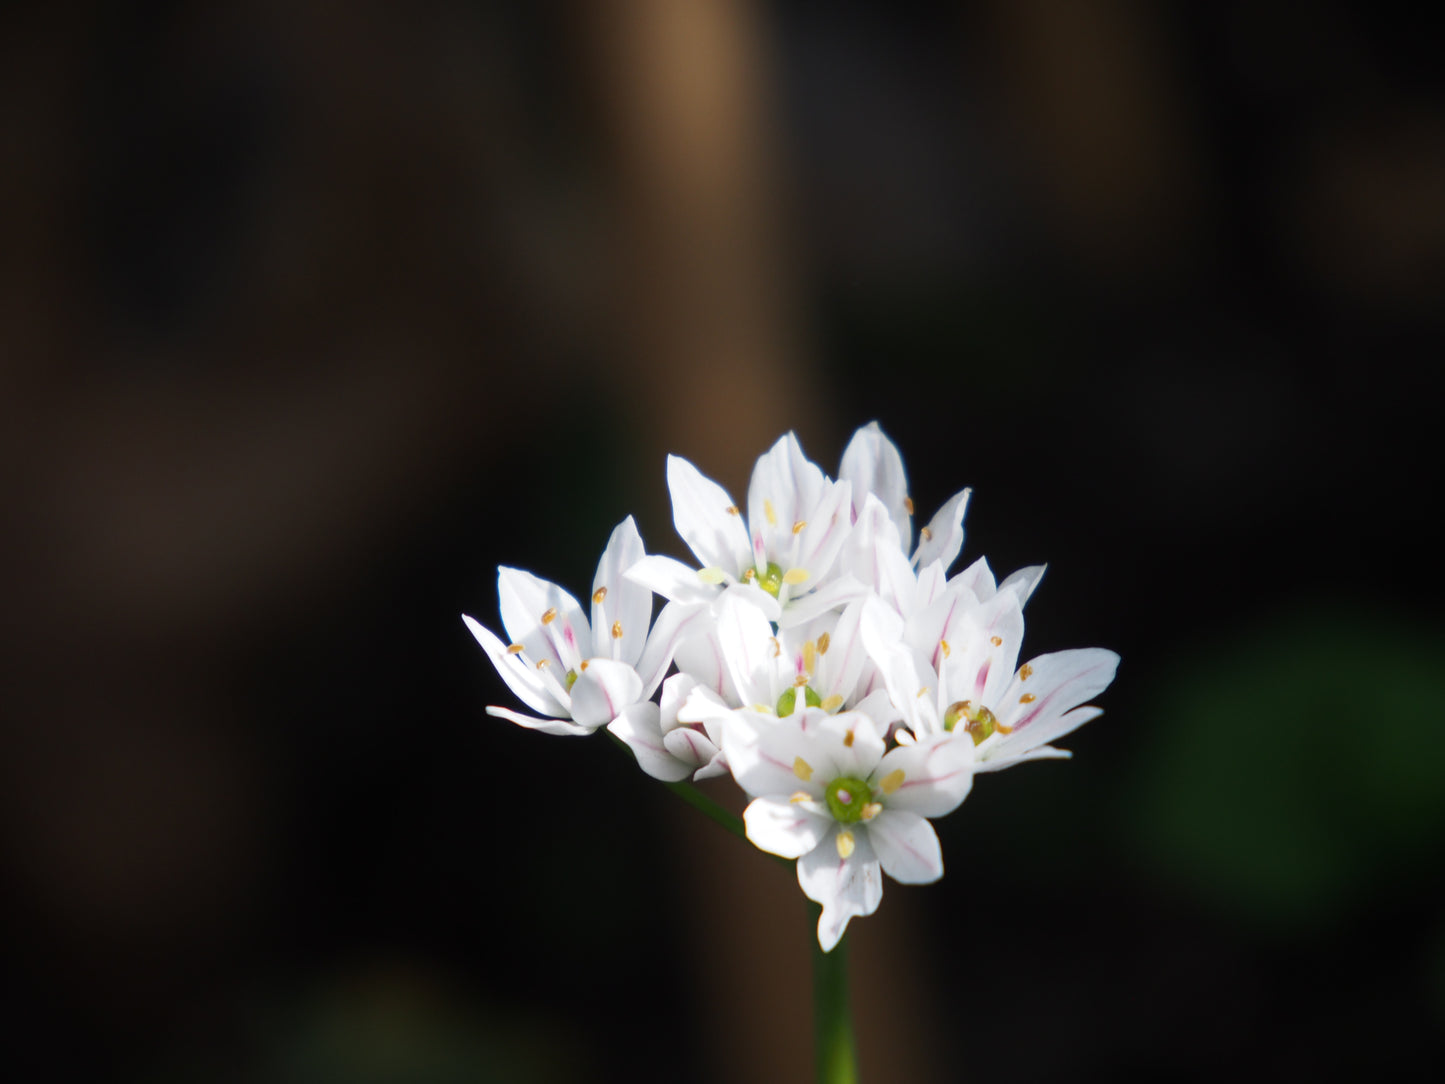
(835, 1059)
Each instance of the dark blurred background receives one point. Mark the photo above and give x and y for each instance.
(312, 314)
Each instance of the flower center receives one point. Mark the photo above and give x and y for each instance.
(789, 700)
(570, 679)
(847, 798)
(978, 721)
(771, 580)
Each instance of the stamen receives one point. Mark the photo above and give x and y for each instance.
(749, 575)
(549, 615)
(845, 844)
(598, 595)
(762, 709)
(823, 643)
(943, 646)
(926, 533)
(515, 649)
(810, 656)
(871, 810)
(710, 575)
(617, 630)
(997, 641)
(769, 514)
(892, 781)
(1025, 672)
(1027, 698)
(542, 664)
(833, 703)
(922, 692)
(802, 769)
(908, 505)
(800, 796)
(733, 510)
(798, 527)
(795, 576)
(584, 664)
(801, 680)
(777, 647)
(848, 741)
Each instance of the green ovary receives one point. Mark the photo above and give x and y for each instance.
(789, 700)
(847, 797)
(979, 722)
(771, 580)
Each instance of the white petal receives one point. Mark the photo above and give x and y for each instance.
(528, 685)
(602, 690)
(525, 600)
(675, 624)
(874, 556)
(944, 537)
(992, 634)
(639, 727)
(1024, 581)
(872, 464)
(700, 511)
(700, 655)
(627, 605)
(784, 489)
(784, 828)
(829, 522)
(805, 751)
(690, 746)
(838, 591)
(842, 664)
(907, 847)
(878, 706)
(1032, 743)
(546, 726)
(673, 580)
(937, 774)
(977, 579)
(747, 643)
(1056, 683)
(844, 886)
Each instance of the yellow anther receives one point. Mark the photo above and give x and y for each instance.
(1025, 672)
(1027, 698)
(871, 810)
(908, 505)
(921, 693)
(823, 643)
(769, 514)
(832, 703)
(810, 656)
(598, 595)
(997, 641)
(584, 664)
(800, 796)
(542, 664)
(943, 646)
(801, 680)
(749, 575)
(795, 576)
(777, 647)
(892, 781)
(848, 739)
(846, 843)
(926, 533)
(798, 527)
(549, 616)
(710, 575)
(515, 649)
(617, 630)
(733, 510)
(802, 769)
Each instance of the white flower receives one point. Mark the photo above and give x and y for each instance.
(872, 464)
(784, 551)
(667, 748)
(580, 675)
(826, 793)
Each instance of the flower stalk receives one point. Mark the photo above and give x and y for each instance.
(834, 1055)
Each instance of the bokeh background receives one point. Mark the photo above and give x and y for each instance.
(312, 314)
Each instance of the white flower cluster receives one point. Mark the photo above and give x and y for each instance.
(847, 683)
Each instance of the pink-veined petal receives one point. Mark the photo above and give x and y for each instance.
(603, 690)
(675, 624)
(937, 774)
(528, 685)
(1024, 581)
(748, 644)
(907, 847)
(625, 610)
(673, 580)
(1032, 742)
(638, 726)
(788, 829)
(707, 519)
(827, 526)
(543, 618)
(564, 727)
(1054, 684)
(844, 886)
(771, 756)
(690, 746)
(837, 591)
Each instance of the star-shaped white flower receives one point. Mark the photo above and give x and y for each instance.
(580, 675)
(784, 550)
(826, 793)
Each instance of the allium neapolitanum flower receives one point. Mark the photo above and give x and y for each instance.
(845, 680)
(827, 792)
(581, 675)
